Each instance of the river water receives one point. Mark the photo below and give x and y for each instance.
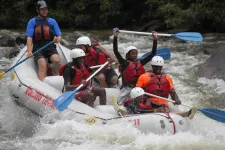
(20, 129)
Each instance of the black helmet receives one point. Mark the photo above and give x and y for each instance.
(41, 4)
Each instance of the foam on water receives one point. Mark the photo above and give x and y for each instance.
(205, 133)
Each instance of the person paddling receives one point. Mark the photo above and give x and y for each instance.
(95, 54)
(76, 73)
(139, 103)
(130, 67)
(40, 31)
(158, 83)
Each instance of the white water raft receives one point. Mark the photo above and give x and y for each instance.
(38, 96)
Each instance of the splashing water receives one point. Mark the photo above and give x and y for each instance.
(21, 129)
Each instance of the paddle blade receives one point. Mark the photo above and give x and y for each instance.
(189, 36)
(63, 101)
(163, 52)
(214, 114)
(1, 75)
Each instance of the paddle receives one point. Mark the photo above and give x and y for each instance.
(163, 52)
(189, 36)
(115, 105)
(18, 63)
(62, 102)
(212, 113)
(60, 47)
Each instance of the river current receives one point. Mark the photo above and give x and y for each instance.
(20, 129)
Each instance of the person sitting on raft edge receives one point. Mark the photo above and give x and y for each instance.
(76, 73)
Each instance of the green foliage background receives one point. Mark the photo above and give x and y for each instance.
(203, 15)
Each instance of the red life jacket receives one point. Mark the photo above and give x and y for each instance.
(101, 57)
(81, 74)
(131, 74)
(91, 58)
(146, 106)
(42, 30)
(160, 86)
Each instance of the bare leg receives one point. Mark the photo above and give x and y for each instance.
(190, 114)
(56, 60)
(88, 98)
(42, 68)
(101, 93)
(101, 79)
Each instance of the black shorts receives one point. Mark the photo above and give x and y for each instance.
(46, 53)
(109, 73)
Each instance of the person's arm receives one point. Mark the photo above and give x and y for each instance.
(120, 59)
(175, 97)
(29, 47)
(57, 30)
(29, 35)
(154, 48)
(143, 80)
(102, 49)
(173, 93)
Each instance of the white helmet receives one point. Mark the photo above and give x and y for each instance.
(75, 53)
(157, 61)
(129, 49)
(137, 91)
(84, 40)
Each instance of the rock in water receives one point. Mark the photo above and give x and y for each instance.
(214, 66)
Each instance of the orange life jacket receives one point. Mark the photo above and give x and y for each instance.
(160, 86)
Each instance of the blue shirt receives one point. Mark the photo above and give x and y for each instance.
(52, 22)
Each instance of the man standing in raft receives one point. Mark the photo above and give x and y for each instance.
(130, 67)
(76, 73)
(40, 31)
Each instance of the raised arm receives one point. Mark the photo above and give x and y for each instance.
(154, 48)
(120, 59)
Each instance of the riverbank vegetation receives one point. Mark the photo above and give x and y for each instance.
(142, 15)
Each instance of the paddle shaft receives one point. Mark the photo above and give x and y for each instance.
(28, 57)
(144, 33)
(63, 52)
(97, 66)
(166, 99)
(89, 78)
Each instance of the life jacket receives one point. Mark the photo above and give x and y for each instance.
(101, 57)
(142, 106)
(91, 58)
(131, 74)
(77, 74)
(145, 106)
(160, 86)
(43, 31)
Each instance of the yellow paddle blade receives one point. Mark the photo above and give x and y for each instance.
(13, 76)
(1, 75)
(113, 101)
